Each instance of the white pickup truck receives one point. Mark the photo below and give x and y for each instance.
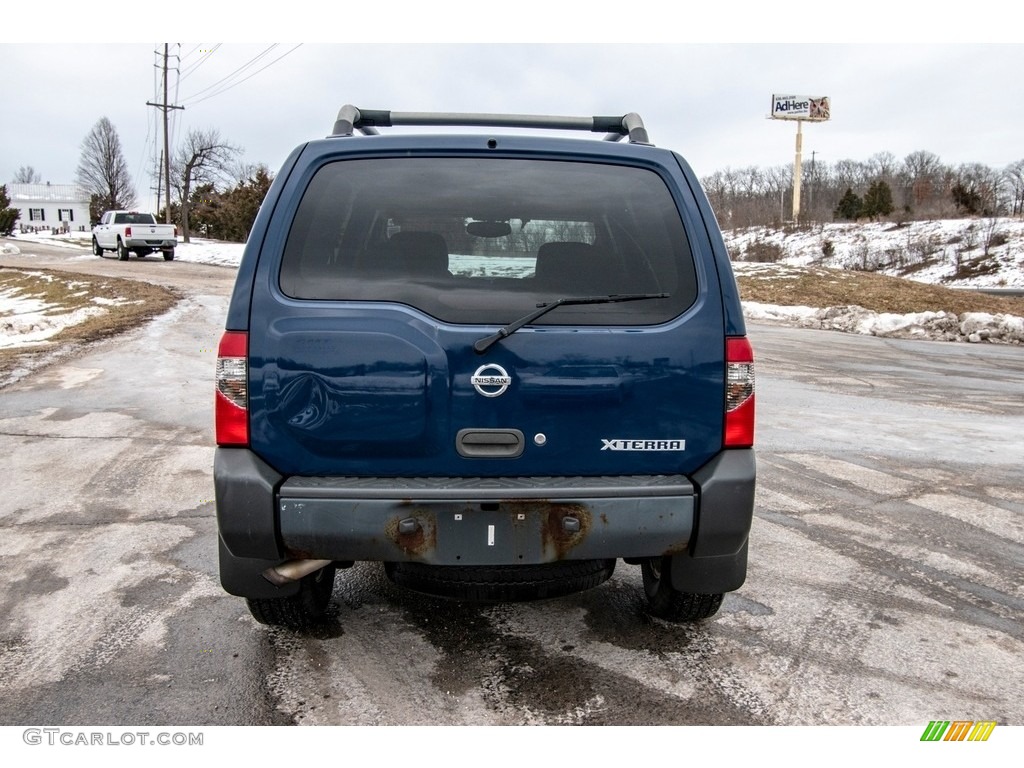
(124, 231)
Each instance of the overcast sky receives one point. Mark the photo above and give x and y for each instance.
(709, 101)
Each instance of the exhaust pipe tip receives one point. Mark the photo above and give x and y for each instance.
(293, 570)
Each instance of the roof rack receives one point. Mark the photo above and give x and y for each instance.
(367, 121)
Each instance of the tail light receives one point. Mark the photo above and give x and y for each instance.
(739, 393)
(175, 230)
(127, 231)
(231, 406)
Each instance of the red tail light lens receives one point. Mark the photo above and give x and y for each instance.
(231, 406)
(739, 393)
(127, 231)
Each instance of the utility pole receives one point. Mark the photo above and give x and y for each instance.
(810, 196)
(159, 180)
(165, 107)
(798, 170)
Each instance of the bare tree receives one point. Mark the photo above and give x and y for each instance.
(1014, 174)
(882, 166)
(921, 175)
(851, 173)
(204, 158)
(103, 172)
(921, 185)
(977, 189)
(717, 189)
(27, 175)
(778, 180)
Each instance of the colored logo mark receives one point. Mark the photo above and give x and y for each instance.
(958, 730)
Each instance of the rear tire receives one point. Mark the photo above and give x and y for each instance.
(667, 602)
(306, 608)
(501, 583)
(169, 255)
(122, 251)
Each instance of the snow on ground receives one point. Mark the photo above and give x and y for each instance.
(29, 321)
(943, 252)
(936, 326)
(948, 252)
(200, 250)
(927, 251)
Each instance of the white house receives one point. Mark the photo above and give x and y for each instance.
(50, 206)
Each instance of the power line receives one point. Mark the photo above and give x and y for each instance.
(174, 115)
(165, 108)
(247, 64)
(149, 144)
(207, 54)
(229, 87)
(145, 147)
(190, 52)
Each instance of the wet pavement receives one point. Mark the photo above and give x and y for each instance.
(884, 585)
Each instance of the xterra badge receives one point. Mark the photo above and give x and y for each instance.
(490, 380)
(643, 445)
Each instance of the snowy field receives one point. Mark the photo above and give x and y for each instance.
(946, 252)
(972, 327)
(949, 252)
(956, 253)
(27, 320)
(199, 251)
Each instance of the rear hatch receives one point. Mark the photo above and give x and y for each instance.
(392, 291)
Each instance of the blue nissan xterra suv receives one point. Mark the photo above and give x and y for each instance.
(495, 363)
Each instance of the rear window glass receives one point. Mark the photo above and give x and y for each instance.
(484, 240)
(133, 218)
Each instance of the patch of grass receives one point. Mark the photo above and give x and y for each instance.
(982, 265)
(763, 252)
(820, 287)
(135, 303)
(919, 266)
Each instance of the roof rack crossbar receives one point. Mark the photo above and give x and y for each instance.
(351, 119)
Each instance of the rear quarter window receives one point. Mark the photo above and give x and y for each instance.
(484, 240)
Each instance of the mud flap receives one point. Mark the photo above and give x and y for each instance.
(709, 575)
(243, 576)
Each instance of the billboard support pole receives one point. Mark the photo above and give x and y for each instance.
(815, 109)
(798, 170)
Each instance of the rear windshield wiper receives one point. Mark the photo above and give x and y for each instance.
(482, 345)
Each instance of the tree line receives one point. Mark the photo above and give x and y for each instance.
(213, 193)
(226, 211)
(217, 196)
(919, 186)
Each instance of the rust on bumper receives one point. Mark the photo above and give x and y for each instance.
(494, 532)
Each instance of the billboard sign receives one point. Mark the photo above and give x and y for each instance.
(814, 108)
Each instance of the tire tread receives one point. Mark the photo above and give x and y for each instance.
(666, 602)
(305, 609)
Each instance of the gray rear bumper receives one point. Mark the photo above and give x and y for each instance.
(159, 242)
(485, 521)
(703, 521)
